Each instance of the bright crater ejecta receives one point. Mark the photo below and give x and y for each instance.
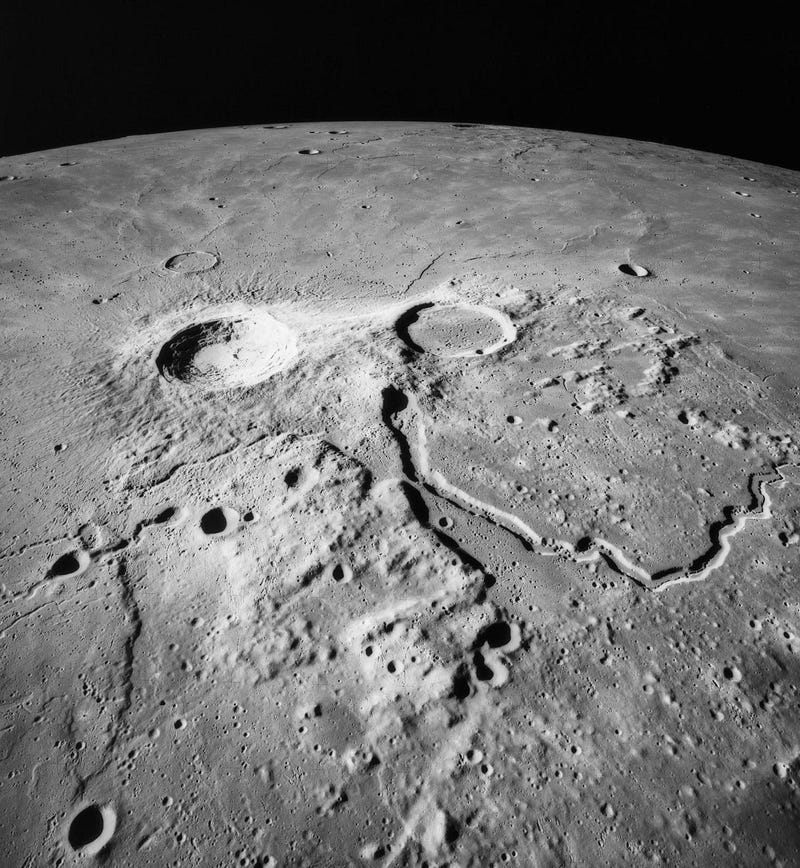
(399, 494)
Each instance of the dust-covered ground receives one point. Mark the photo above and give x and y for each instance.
(398, 494)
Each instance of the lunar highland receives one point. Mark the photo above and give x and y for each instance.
(399, 494)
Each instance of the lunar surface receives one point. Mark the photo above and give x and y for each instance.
(399, 495)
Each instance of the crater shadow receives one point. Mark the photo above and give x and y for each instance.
(404, 323)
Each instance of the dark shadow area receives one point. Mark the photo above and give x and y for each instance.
(706, 81)
(213, 521)
(634, 270)
(175, 360)
(85, 828)
(66, 565)
(482, 671)
(165, 515)
(406, 321)
(496, 635)
(394, 401)
(461, 687)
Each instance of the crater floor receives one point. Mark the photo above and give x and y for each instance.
(398, 494)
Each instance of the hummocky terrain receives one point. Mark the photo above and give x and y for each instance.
(398, 494)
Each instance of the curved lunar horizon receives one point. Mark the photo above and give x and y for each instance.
(404, 494)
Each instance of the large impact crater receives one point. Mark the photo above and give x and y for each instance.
(228, 352)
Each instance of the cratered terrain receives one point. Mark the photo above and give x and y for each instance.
(398, 494)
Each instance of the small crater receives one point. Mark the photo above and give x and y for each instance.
(788, 538)
(309, 151)
(67, 565)
(474, 756)
(753, 214)
(781, 770)
(165, 515)
(482, 671)
(103, 300)
(70, 163)
(461, 684)
(8, 178)
(191, 262)
(740, 193)
(91, 829)
(341, 573)
(214, 522)
(732, 673)
(496, 635)
(631, 270)
(86, 827)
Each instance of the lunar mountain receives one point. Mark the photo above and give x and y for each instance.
(399, 494)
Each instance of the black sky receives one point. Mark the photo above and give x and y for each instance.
(717, 83)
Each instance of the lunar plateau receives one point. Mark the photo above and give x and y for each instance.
(399, 494)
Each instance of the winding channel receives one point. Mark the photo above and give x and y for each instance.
(591, 549)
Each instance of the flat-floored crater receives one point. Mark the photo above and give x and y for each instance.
(228, 353)
(192, 262)
(457, 330)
